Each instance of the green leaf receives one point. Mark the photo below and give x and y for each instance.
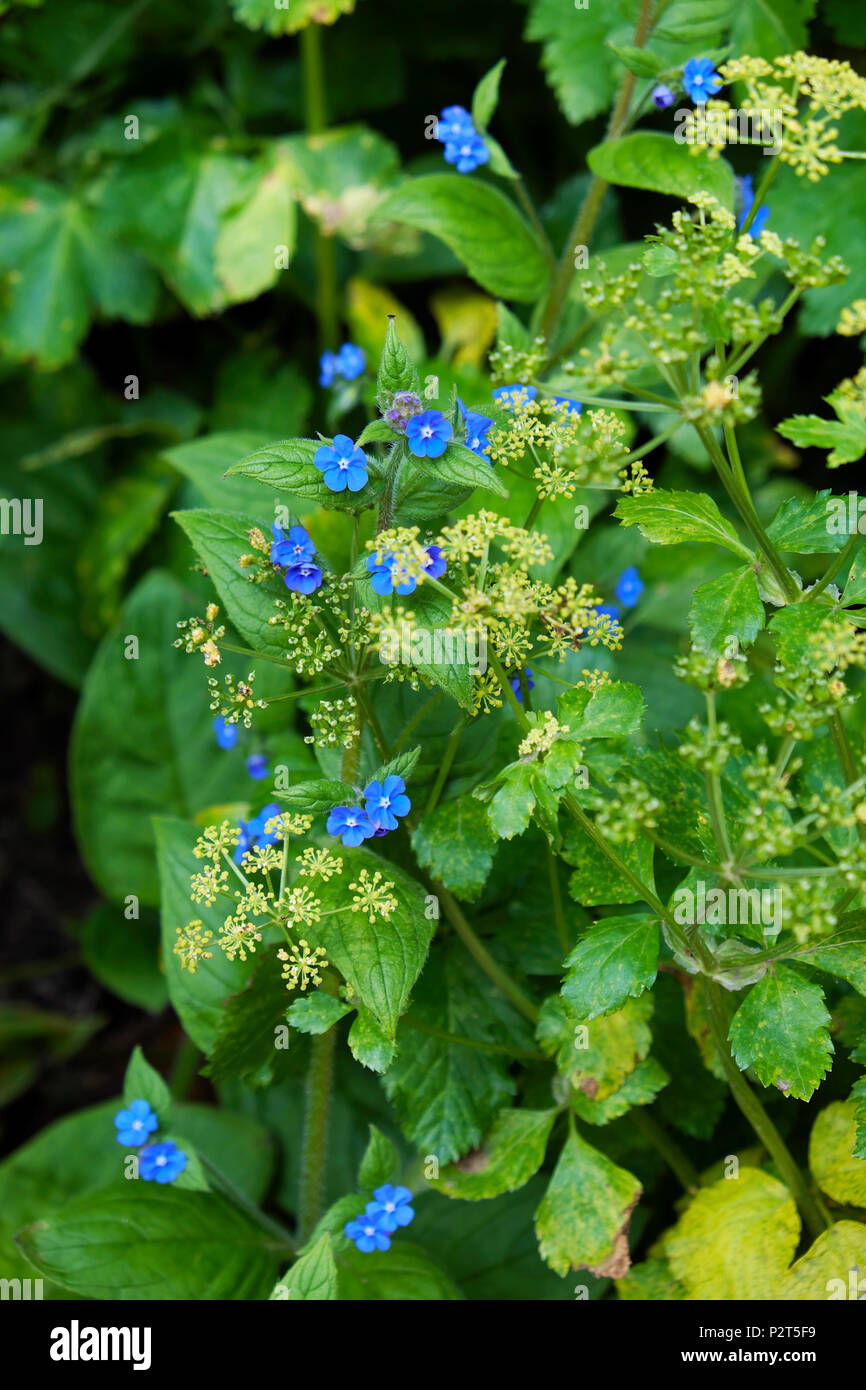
(376, 432)
(780, 1031)
(248, 241)
(460, 467)
(287, 466)
(843, 202)
(845, 438)
(842, 955)
(858, 1099)
(611, 710)
(401, 766)
(141, 1082)
(578, 64)
(206, 461)
(511, 807)
(831, 1268)
(403, 1274)
(727, 607)
(806, 528)
(479, 224)
(142, 742)
(380, 960)
(123, 954)
(369, 1043)
(595, 880)
(316, 1013)
(769, 28)
(246, 1043)
(855, 587)
(656, 161)
(340, 175)
(196, 1246)
(641, 1087)
(380, 1164)
(793, 630)
(446, 1092)
(220, 539)
(486, 96)
(637, 60)
(456, 845)
(836, 1168)
(736, 1238)
(617, 959)
(582, 1223)
(506, 1159)
(669, 518)
(199, 998)
(313, 1277)
(397, 371)
(310, 798)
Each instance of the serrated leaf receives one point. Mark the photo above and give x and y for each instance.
(736, 1238)
(780, 1031)
(616, 960)
(246, 1042)
(142, 1082)
(316, 1013)
(460, 467)
(511, 807)
(846, 439)
(582, 1223)
(480, 225)
(287, 466)
(401, 766)
(369, 1043)
(727, 607)
(311, 798)
(612, 710)
(506, 1159)
(220, 539)
(456, 845)
(831, 1268)
(312, 1278)
(670, 518)
(807, 528)
(595, 880)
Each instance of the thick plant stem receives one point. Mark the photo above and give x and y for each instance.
(315, 1140)
(814, 1216)
(679, 1163)
(315, 119)
(591, 206)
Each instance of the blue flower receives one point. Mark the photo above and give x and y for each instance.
(514, 682)
(629, 587)
(351, 361)
(662, 97)
(385, 801)
(368, 1232)
(292, 549)
(226, 733)
(454, 123)
(467, 152)
(252, 832)
(303, 579)
(257, 766)
(700, 80)
(392, 1205)
(574, 407)
(437, 566)
(388, 576)
(747, 195)
(351, 824)
(512, 396)
(477, 427)
(161, 1162)
(343, 464)
(428, 434)
(135, 1124)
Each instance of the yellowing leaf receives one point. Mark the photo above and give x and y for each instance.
(467, 324)
(582, 1222)
(368, 309)
(831, 1154)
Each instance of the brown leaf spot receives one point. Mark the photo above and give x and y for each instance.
(474, 1162)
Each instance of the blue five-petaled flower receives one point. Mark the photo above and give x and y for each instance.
(388, 576)
(701, 80)
(389, 1209)
(629, 587)
(464, 147)
(294, 553)
(342, 463)
(135, 1123)
(226, 733)
(428, 433)
(161, 1162)
(351, 824)
(385, 801)
(477, 427)
(367, 1232)
(348, 363)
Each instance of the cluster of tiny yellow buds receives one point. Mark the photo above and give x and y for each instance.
(400, 545)
(201, 635)
(206, 887)
(308, 648)
(527, 547)
(571, 617)
(295, 822)
(836, 646)
(724, 403)
(514, 597)
(238, 937)
(262, 859)
(216, 840)
(593, 679)
(605, 631)
(629, 814)
(300, 906)
(707, 748)
(373, 895)
(542, 738)
(252, 901)
(707, 671)
(635, 479)
(851, 392)
(852, 320)
(191, 945)
(486, 693)
(334, 724)
(237, 701)
(508, 363)
(512, 644)
(302, 966)
(469, 538)
(529, 428)
(319, 863)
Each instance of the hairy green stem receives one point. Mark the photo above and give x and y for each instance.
(314, 1144)
(316, 119)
